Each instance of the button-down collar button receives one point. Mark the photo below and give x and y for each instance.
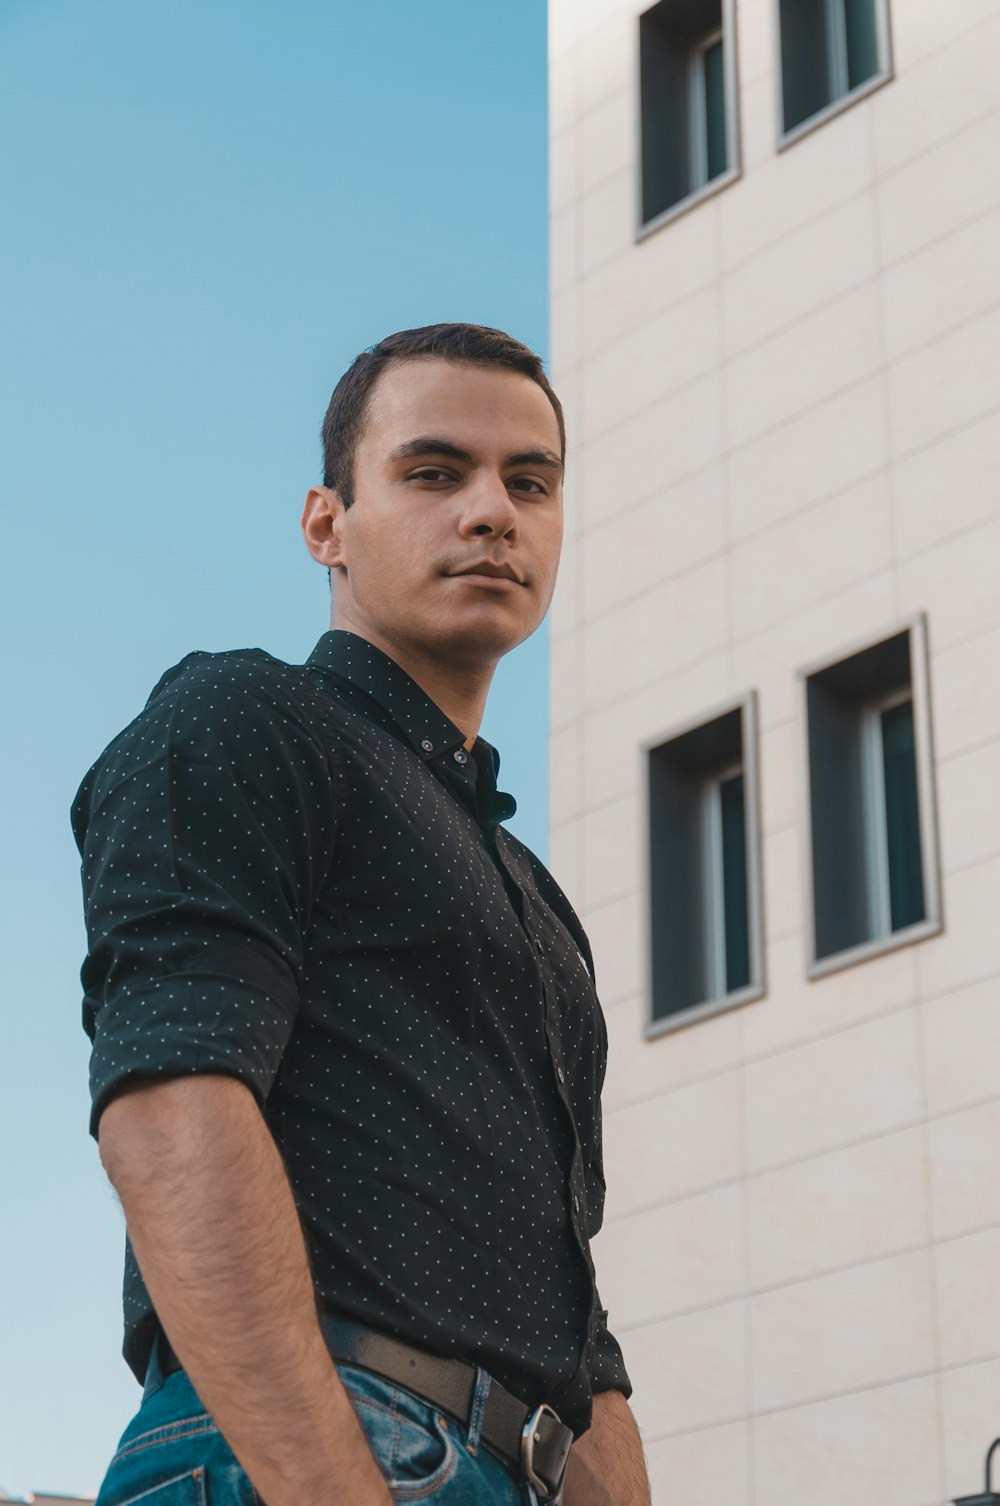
(427, 745)
(576, 1202)
(560, 1074)
(538, 945)
(460, 756)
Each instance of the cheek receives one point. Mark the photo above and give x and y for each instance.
(393, 566)
(549, 552)
(384, 553)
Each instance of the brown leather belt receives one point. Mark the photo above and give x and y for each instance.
(532, 1440)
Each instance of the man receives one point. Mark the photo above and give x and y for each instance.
(347, 1051)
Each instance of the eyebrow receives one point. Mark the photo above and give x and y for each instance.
(431, 444)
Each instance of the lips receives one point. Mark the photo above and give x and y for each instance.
(495, 572)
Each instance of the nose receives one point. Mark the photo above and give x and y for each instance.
(489, 510)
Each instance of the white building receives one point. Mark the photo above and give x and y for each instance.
(775, 264)
(44, 1500)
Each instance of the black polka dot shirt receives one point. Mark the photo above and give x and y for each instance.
(297, 875)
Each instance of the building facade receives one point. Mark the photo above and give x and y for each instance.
(775, 658)
(44, 1500)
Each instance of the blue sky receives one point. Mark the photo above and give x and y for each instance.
(208, 210)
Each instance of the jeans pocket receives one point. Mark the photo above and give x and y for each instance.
(425, 1458)
(412, 1443)
(168, 1432)
(183, 1490)
(172, 1454)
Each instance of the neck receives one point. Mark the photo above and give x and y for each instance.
(459, 691)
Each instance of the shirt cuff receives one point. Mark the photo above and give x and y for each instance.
(607, 1370)
(185, 1024)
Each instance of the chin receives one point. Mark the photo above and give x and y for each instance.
(476, 645)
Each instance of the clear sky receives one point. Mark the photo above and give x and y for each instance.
(206, 210)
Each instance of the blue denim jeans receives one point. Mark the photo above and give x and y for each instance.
(172, 1454)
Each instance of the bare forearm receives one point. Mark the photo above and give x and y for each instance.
(215, 1230)
(607, 1466)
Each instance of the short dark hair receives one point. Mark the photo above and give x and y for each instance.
(347, 413)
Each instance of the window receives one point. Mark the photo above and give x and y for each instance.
(873, 844)
(687, 110)
(704, 870)
(830, 51)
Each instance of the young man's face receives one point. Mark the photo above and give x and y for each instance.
(452, 543)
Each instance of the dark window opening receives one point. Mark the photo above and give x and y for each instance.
(902, 816)
(703, 846)
(684, 105)
(734, 883)
(867, 844)
(828, 49)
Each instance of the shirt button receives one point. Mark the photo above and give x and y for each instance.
(460, 756)
(427, 745)
(559, 1074)
(576, 1202)
(538, 945)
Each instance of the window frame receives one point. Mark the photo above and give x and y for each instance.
(713, 896)
(730, 71)
(747, 706)
(883, 32)
(919, 692)
(874, 802)
(698, 108)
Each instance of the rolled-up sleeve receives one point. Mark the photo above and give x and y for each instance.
(205, 830)
(607, 1367)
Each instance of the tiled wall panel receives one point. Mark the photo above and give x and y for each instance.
(784, 412)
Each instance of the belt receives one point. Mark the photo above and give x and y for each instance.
(524, 1438)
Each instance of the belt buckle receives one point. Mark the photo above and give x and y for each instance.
(529, 1437)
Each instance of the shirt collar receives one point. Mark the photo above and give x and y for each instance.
(420, 721)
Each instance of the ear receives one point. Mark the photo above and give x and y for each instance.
(322, 525)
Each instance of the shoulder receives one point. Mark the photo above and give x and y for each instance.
(235, 706)
(218, 693)
(237, 678)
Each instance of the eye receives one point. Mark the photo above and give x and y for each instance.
(516, 480)
(430, 473)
